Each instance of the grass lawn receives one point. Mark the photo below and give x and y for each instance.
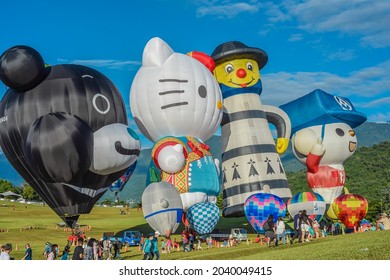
(38, 224)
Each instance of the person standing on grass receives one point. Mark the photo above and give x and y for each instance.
(280, 231)
(297, 228)
(147, 247)
(78, 253)
(88, 250)
(6, 250)
(154, 250)
(53, 254)
(65, 253)
(28, 253)
(305, 225)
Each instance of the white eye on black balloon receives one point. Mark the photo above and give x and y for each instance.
(202, 91)
(340, 132)
(101, 103)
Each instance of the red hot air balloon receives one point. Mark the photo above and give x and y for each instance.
(350, 209)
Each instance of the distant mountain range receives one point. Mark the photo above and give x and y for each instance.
(368, 135)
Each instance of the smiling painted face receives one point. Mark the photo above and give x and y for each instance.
(174, 94)
(339, 140)
(238, 73)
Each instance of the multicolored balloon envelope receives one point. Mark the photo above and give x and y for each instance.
(350, 209)
(313, 203)
(203, 217)
(259, 206)
(162, 207)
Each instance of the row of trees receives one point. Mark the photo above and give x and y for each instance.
(25, 190)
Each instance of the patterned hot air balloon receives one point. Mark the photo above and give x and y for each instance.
(350, 209)
(313, 203)
(162, 207)
(259, 206)
(203, 217)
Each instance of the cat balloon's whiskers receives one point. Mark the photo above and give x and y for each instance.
(174, 105)
(170, 92)
(172, 80)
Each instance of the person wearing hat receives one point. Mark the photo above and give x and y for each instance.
(28, 254)
(6, 250)
(250, 158)
(323, 138)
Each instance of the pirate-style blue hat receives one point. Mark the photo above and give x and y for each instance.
(319, 108)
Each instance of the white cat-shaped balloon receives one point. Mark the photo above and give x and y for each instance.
(177, 103)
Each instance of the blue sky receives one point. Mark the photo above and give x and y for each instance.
(341, 47)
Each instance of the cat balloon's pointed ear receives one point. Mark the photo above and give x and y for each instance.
(156, 52)
(205, 59)
(22, 68)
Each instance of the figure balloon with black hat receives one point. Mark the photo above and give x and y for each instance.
(250, 158)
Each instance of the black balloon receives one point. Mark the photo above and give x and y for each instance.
(55, 122)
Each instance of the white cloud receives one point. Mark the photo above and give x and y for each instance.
(342, 55)
(295, 37)
(365, 18)
(369, 83)
(377, 102)
(104, 63)
(226, 9)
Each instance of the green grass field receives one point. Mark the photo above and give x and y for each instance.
(38, 224)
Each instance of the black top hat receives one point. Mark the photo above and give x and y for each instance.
(235, 49)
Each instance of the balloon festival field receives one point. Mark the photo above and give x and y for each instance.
(38, 224)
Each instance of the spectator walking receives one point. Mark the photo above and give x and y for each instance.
(297, 228)
(154, 248)
(65, 253)
(47, 250)
(147, 247)
(28, 253)
(6, 250)
(305, 225)
(88, 250)
(78, 253)
(53, 254)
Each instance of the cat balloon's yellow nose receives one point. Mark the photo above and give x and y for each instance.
(219, 105)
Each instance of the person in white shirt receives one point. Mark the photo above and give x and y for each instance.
(280, 231)
(6, 250)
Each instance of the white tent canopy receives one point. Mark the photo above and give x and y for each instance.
(9, 193)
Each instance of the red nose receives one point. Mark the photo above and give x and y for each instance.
(241, 73)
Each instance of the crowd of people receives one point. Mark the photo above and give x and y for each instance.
(304, 230)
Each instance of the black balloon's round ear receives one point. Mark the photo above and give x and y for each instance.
(22, 68)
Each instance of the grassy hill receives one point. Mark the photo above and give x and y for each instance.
(38, 224)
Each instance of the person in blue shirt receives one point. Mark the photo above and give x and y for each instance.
(65, 253)
(147, 247)
(154, 249)
(28, 254)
